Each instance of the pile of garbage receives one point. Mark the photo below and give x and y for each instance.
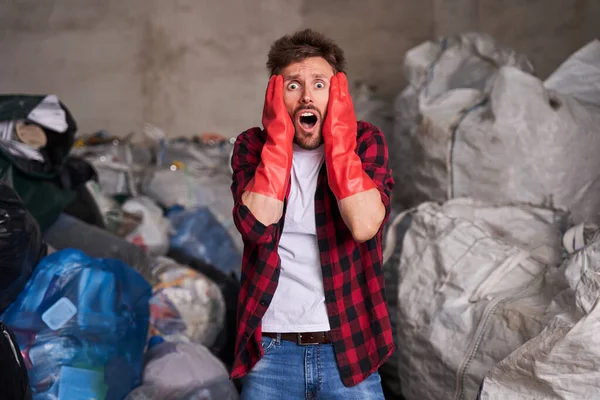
(119, 259)
(491, 256)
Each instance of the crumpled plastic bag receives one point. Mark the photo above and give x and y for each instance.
(185, 305)
(183, 371)
(152, 234)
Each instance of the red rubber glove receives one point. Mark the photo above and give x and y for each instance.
(344, 167)
(272, 175)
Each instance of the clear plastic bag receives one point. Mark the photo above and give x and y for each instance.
(180, 371)
(185, 305)
(122, 166)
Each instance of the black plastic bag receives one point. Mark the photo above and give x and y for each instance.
(14, 380)
(21, 246)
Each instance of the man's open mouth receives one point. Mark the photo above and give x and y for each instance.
(307, 119)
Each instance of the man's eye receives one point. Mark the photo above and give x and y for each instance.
(319, 85)
(293, 86)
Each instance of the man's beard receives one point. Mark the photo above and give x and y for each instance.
(309, 142)
(300, 138)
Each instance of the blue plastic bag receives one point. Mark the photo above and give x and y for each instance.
(201, 236)
(82, 325)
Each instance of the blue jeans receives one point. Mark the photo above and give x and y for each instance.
(290, 371)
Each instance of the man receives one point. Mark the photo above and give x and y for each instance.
(311, 191)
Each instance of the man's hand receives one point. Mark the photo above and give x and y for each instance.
(266, 191)
(358, 197)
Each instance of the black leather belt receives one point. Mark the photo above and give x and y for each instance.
(306, 338)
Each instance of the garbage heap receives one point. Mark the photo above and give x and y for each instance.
(120, 262)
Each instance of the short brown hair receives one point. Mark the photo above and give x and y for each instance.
(302, 45)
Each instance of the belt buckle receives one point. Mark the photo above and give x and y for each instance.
(303, 343)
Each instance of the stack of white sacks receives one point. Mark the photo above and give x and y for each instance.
(488, 281)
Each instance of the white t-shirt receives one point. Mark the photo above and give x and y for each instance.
(298, 304)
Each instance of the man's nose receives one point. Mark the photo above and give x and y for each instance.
(306, 96)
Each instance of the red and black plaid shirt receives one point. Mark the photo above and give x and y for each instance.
(352, 272)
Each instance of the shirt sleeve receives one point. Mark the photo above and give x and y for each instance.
(373, 151)
(245, 159)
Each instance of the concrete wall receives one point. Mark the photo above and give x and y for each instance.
(192, 66)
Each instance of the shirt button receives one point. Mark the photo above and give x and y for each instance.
(262, 303)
